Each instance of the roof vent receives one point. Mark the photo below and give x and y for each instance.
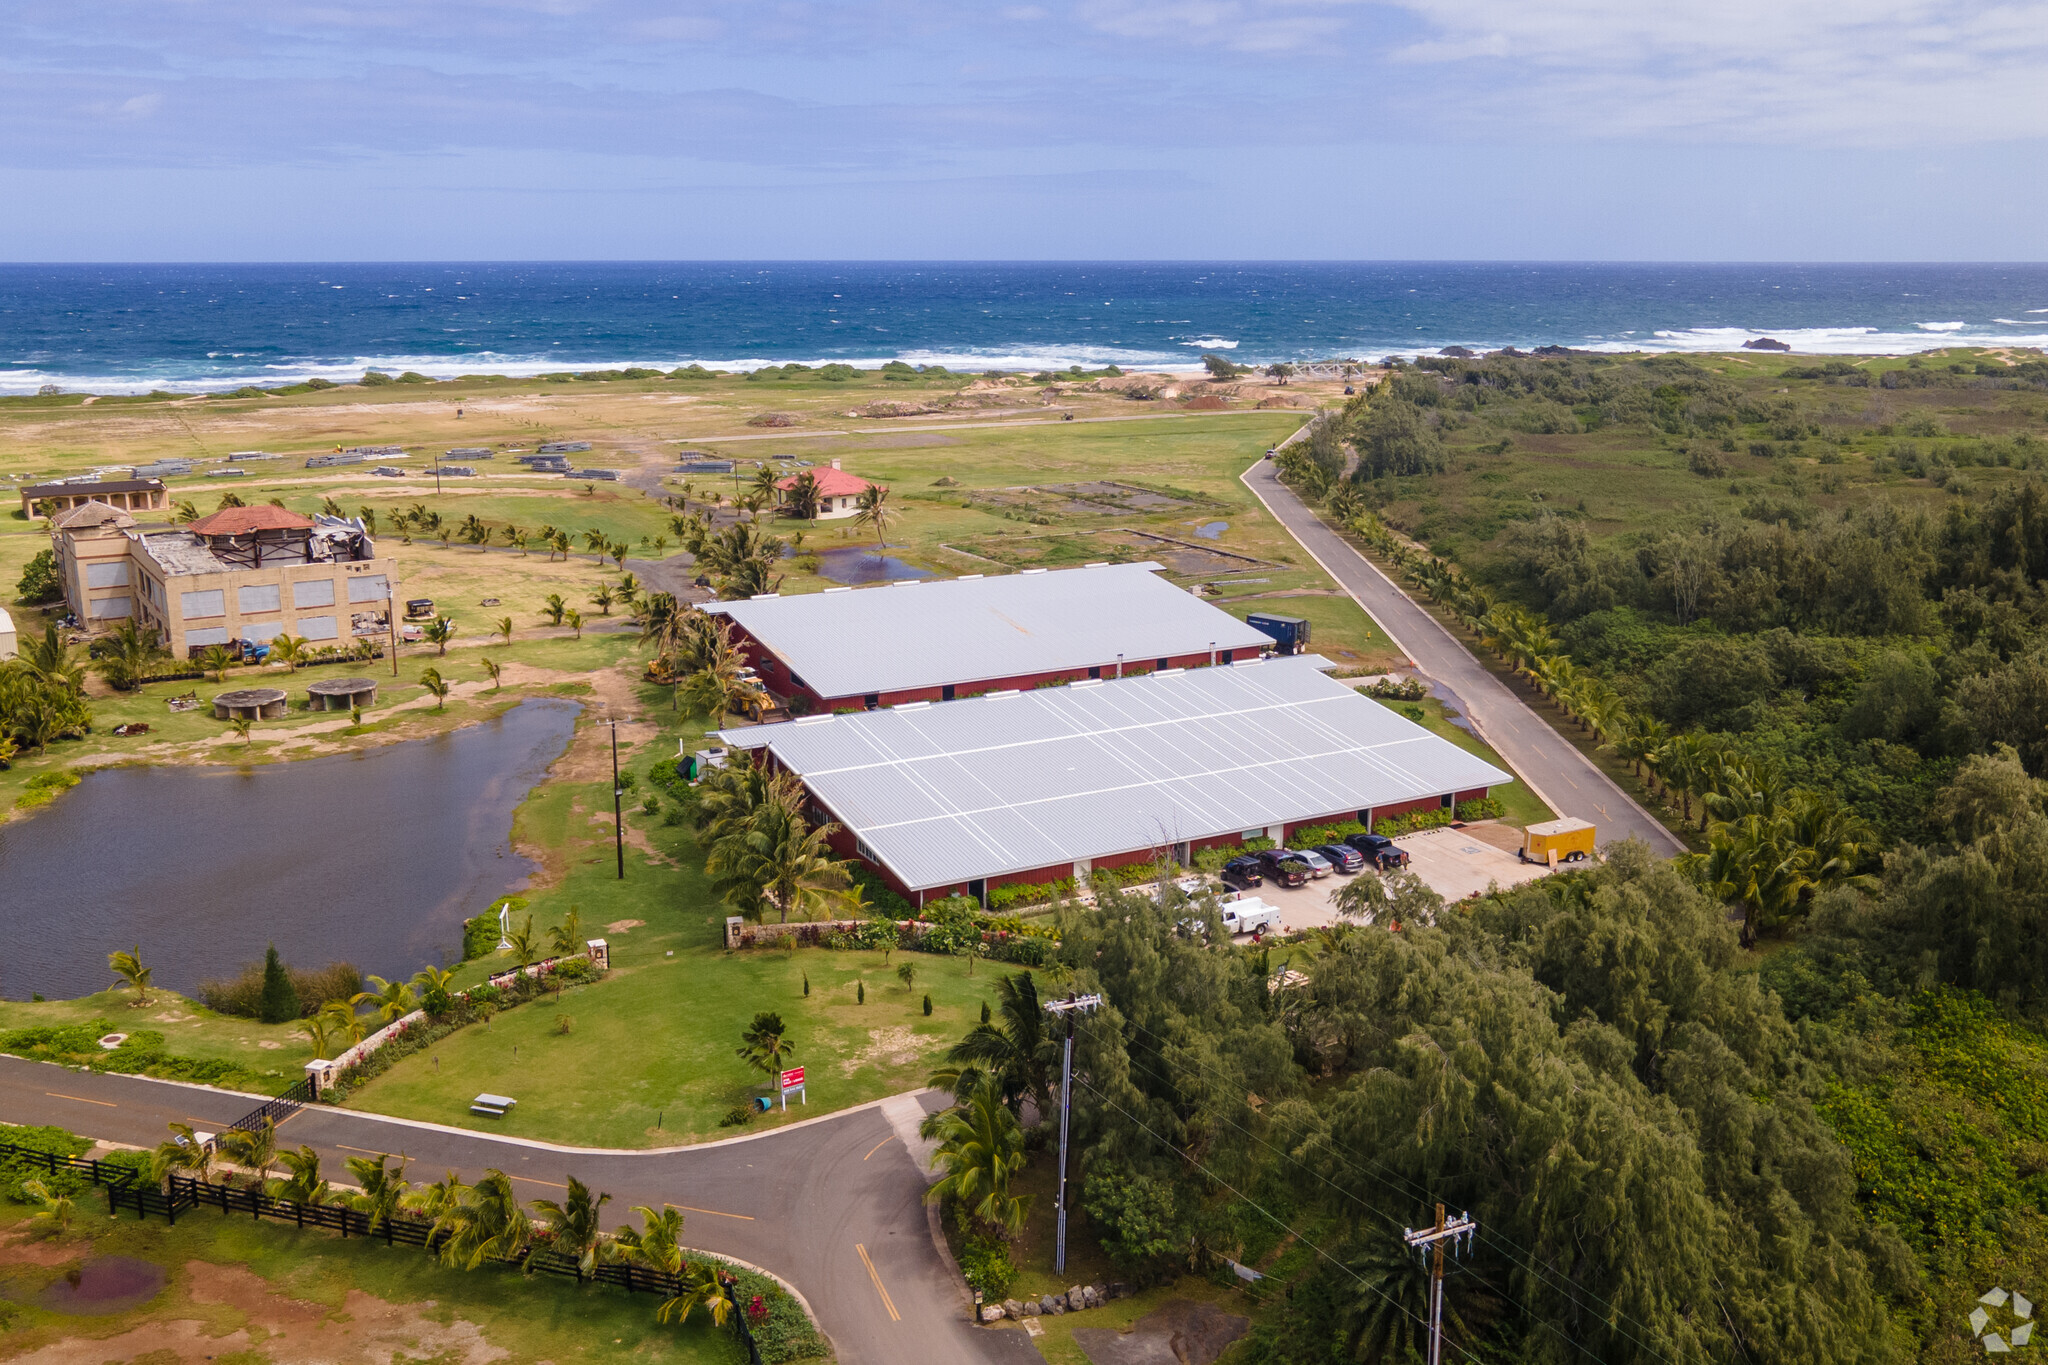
(1096, 564)
(1167, 672)
(814, 720)
(1031, 571)
(966, 576)
(1008, 692)
(906, 583)
(910, 706)
(847, 589)
(1085, 682)
(763, 596)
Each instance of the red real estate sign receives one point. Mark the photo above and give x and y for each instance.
(792, 1078)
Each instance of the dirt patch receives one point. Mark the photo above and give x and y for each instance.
(620, 926)
(1178, 1332)
(290, 1331)
(589, 755)
(886, 1047)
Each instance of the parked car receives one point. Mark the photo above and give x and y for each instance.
(1242, 873)
(1343, 857)
(1382, 850)
(1318, 865)
(1283, 867)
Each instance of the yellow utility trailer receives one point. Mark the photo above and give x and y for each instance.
(1557, 841)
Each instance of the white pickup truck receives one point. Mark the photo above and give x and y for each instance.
(1241, 914)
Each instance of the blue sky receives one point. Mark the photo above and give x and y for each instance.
(1268, 129)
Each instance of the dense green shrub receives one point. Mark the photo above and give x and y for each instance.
(39, 580)
(315, 987)
(1394, 825)
(1029, 893)
(1485, 808)
(143, 1053)
(55, 1141)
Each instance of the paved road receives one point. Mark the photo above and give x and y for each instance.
(802, 1202)
(1545, 761)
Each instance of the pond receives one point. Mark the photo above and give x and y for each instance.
(858, 564)
(95, 1288)
(373, 857)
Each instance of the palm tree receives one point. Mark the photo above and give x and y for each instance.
(430, 979)
(253, 1149)
(560, 544)
(486, 1223)
(503, 626)
(439, 1198)
(801, 500)
(603, 598)
(494, 668)
(554, 608)
(512, 533)
(765, 1045)
(568, 935)
(217, 660)
(981, 1146)
(128, 966)
(431, 679)
(525, 943)
(289, 650)
(907, 974)
(368, 516)
(703, 1286)
(126, 654)
(618, 550)
(393, 999)
(440, 631)
(49, 660)
(383, 1187)
(318, 1029)
(597, 542)
(656, 1243)
(872, 509)
(181, 1151)
(574, 618)
(53, 1219)
(241, 725)
(779, 857)
(184, 510)
(1012, 1048)
(574, 1224)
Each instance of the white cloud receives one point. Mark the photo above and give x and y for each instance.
(1854, 71)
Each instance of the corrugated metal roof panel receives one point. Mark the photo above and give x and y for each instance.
(947, 793)
(965, 630)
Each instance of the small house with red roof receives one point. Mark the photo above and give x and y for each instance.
(838, 491)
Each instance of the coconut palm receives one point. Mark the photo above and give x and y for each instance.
(181, 1151)
(574, 620)
(431, 679)
(318, 1029)
(981, 1146)
(512, 534)
(765, 1046)
(704, 1286)
(487, 1222)
(392, 999)
(554, 608)
(802, 498)
(253, 1149)
(241, 726)
(343, 1021)
(53, 1217)
(567, 936)
(597, 542)
(778, 857)
(184, 510)
(128, 966)
(574, 1224)
(217, 660)
(126, 655)
(603, 598)
(438, 1198)
(384, 1187)
(503, 626)
(656, 1243)
(368, 516)
(440, 631)
(48, 659)
(871, 509)
(494, 668)
(1012, 1048)
(559, 543)
(289, 650)
(525, 944)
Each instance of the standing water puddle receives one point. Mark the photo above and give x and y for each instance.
(1212, 530)
(97, 1288)
(857, 564)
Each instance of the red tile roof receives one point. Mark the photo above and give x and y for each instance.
(832, 483)
(240, 521)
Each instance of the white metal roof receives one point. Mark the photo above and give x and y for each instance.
(943, 793)
(962, 630)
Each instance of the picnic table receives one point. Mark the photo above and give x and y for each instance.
(494, 1105)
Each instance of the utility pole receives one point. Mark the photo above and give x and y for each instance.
(618, 815)
(1426, 1242)
(1069, 1009)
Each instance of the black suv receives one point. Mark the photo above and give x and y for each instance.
(1343, 857)
(1242, 873)
(1284, 868)
(1380, 849)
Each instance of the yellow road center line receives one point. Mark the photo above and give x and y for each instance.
(81, 1099)
(366, 1151)
(880, 1145)
(744, 1217)
(887, 1303)
(531, 1181)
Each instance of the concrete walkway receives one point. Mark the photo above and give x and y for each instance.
(813, 1203)
(1548, 763)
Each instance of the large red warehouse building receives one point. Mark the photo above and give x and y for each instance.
(956, 637)
(1039, 785)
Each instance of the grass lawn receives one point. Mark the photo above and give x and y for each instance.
(1523, 807)
(242, 1292)
(650, 1057)
(1339, 629)
(273, 1055)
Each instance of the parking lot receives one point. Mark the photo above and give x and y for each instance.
(1455, 863)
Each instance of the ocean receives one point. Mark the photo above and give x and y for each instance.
(134, 328)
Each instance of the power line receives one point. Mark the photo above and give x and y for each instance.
(1516, 1255)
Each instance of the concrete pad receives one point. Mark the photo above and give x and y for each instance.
(1457, 863)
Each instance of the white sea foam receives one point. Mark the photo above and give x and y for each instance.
(1941, 326)
(1212, 343)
